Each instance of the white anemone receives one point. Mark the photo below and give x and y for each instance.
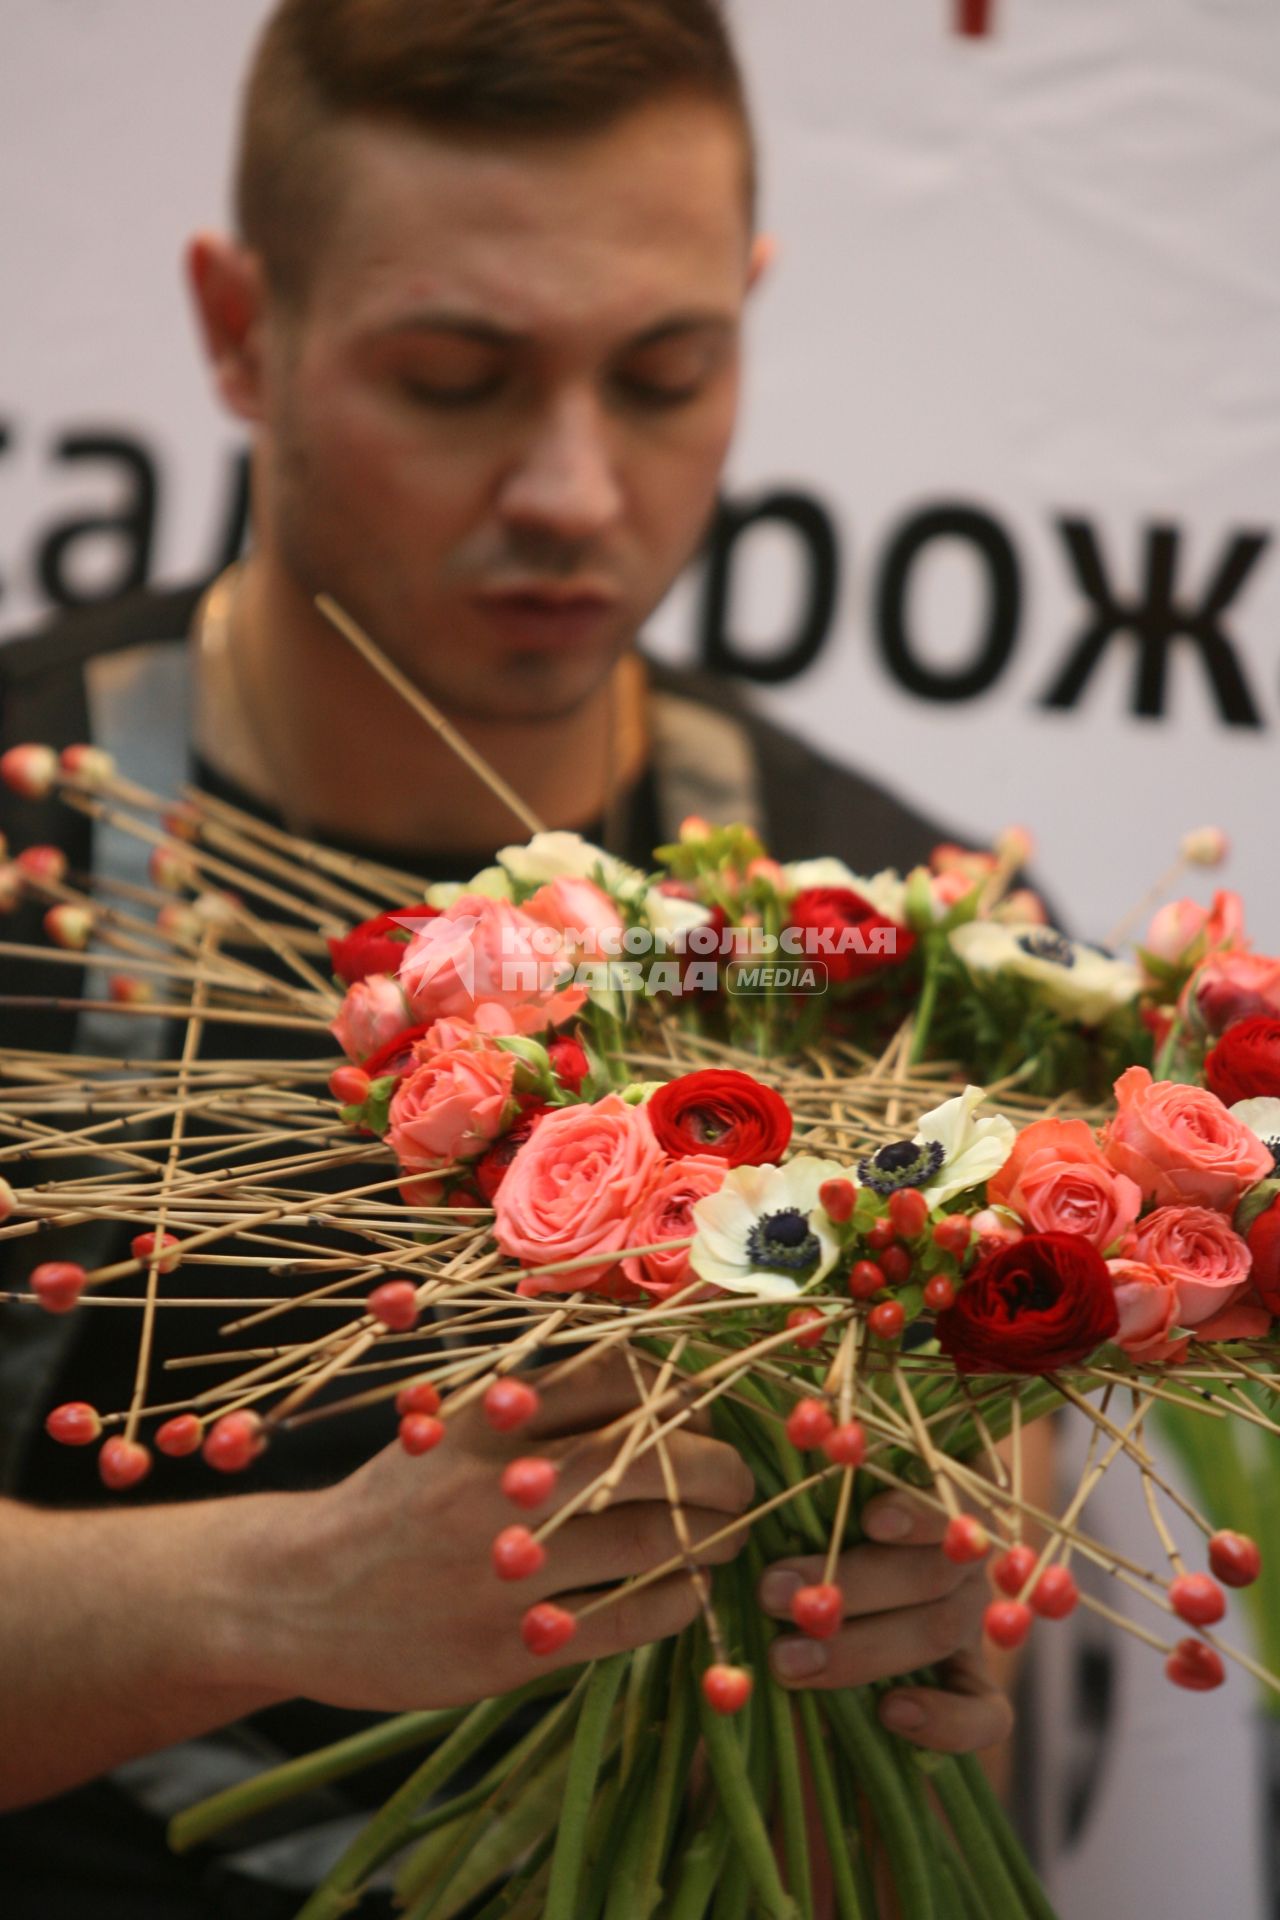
(972, 1149)
(1262, 1117)
(761, 1219)
(1075, 980)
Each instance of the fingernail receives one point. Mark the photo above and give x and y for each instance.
(777, 1590)
(798, 1659)
(889, 1523)
(902, 1716)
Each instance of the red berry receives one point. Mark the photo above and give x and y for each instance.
(811, 1325)
(1197, 1599)
(1235, 1558)
(908, 1211)
(508, 1404)
(29, 770)
(143, 1245)
(726, 1689)
(865, 1280)
(180, 1436)
(74, 1424)
(1195, 1666)
(837, 1198)
(965, 1540)
(939, 1293)
(91, 764)
(953, 1233)
(808, 1424)
(546, 1628)
(395, 1303)
(516, 1554)
(233, 1441)
(43, 863)
(818, 1610)
(880, 1234)
(122, 1463)
(350, 1086)
(1013, 1569)
(1007, 1623)
(1055, 1594)
(530, 1481)
(887, 1320)
(846, 1445)
(420, 1432)
(58, 1285)
(68, 925)
(895, 1265)
(418, 1397)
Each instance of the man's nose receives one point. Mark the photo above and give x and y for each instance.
(565, 481)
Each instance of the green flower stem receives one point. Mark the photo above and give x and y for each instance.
(867, 1750)
(444, 1875)
(699, 1869)
(613, 1885)
(742, 1810)
(965, 1893)
(848, 1905)
(522, 1894)
(785, 1750)
(338, 1891)
(584, 1768)
(678, 1735)
(936, 949)
(979, 1846)
(996, 1822)
(733, 1894)
(319, 1769)
(643, 1697)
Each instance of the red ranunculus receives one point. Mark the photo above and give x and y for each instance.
(1245, 1064)
(721, 1112)
(846, 934)
(1045, 1302)
(1263, 1239)
(397, 1056)
(375, 946)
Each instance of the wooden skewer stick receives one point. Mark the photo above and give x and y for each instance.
(424, 708)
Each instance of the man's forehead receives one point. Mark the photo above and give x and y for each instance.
(643, 225)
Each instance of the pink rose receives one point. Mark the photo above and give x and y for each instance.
(1230, 987)
(1058, 1181)
(485, 957)
(1148, 1305)
(1243, 1320)
(1180, 1143)
(665, 1213)
(1184, 933)
(573, 1189)
(1198, 1250)
(578, 908)
(373, 1013)
(451, 1107)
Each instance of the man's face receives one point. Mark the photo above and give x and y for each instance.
(493, 429)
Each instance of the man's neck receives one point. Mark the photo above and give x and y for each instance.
(288, 710)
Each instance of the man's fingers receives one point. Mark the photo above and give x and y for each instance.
(898, 1520)
(707, 1473)
(630, 1540)
(872, 1579)
(653, 1613)
(883, 1645)
(599, 1392)
(968, 1712)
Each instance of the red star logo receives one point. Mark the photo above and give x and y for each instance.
(973, 17)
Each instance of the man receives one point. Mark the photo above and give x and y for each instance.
(483, 318)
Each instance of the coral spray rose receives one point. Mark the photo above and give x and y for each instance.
(1200, 1252)
(666, 1213)
(1057, 1181)
(1231, 987)
(482, 955)
(573, 1190)
(723, 1113)
(1147, 1302)
(452, 1106)
(373, 1013)
(1047, 1301)
(1180, 1144)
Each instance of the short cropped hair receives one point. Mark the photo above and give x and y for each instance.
(468, 69)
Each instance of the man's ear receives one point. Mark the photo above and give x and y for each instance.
(228, 288)
(764, 251)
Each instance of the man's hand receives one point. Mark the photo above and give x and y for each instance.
(389, 1599)
(906, 1606)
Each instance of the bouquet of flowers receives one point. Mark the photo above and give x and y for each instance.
(872, 1172)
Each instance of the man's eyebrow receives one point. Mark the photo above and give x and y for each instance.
(710, 320)
(489, 333)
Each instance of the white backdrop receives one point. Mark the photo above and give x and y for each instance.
(1018, 362)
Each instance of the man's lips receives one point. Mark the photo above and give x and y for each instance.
(548, 615)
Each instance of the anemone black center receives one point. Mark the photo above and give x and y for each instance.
(903, 1163)
(1045, 944)
(784, 1240)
